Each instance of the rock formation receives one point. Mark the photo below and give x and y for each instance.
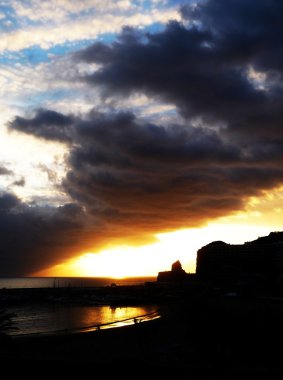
(177, 274)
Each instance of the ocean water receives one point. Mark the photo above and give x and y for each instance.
(59, 282)
(50, 318)
(60, 318)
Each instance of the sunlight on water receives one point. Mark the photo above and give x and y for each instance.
(51, 318)
(120, 316)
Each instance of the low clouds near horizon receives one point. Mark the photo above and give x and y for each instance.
(129, 177)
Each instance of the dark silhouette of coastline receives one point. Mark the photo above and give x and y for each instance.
(224, 321)
(253, 267)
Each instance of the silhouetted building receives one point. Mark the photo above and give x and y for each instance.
(262, 257)
(177, 274)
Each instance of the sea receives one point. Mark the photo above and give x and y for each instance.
(60, 318)
(59, 282)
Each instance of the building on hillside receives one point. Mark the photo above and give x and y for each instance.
(261, 258)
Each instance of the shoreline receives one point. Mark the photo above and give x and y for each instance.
(144, 318)
(121, 347)
(198, 332)
(224, 337)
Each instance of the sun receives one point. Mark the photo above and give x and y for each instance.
(116, 263)
(120, 262)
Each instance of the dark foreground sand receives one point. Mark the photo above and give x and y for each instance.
(214, 337)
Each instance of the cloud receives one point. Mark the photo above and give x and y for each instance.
(7, 201)
(21, 182)
(136, 178)
(36, 10)
(204, 68)
(52, 175)
(5, 171)
(75, 27)
(46, 124)
(245, 30)
(145, 177)
(33, 237)
(128, 177)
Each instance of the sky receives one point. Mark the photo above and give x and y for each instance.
(132, 133)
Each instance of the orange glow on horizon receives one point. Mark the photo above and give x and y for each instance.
(262, 215)
(148, 260)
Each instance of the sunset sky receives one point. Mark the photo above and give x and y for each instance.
(132, 133)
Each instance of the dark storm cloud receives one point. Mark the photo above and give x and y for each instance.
(32, 238)
(133, 178)
(177, 65)
(46, 124)
(132, 175)
(130, 179)
(246, 30)
(204, 69)
(8, 202)
(208, 70)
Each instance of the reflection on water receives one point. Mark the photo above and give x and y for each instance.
(38, 319)
(121, 316)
